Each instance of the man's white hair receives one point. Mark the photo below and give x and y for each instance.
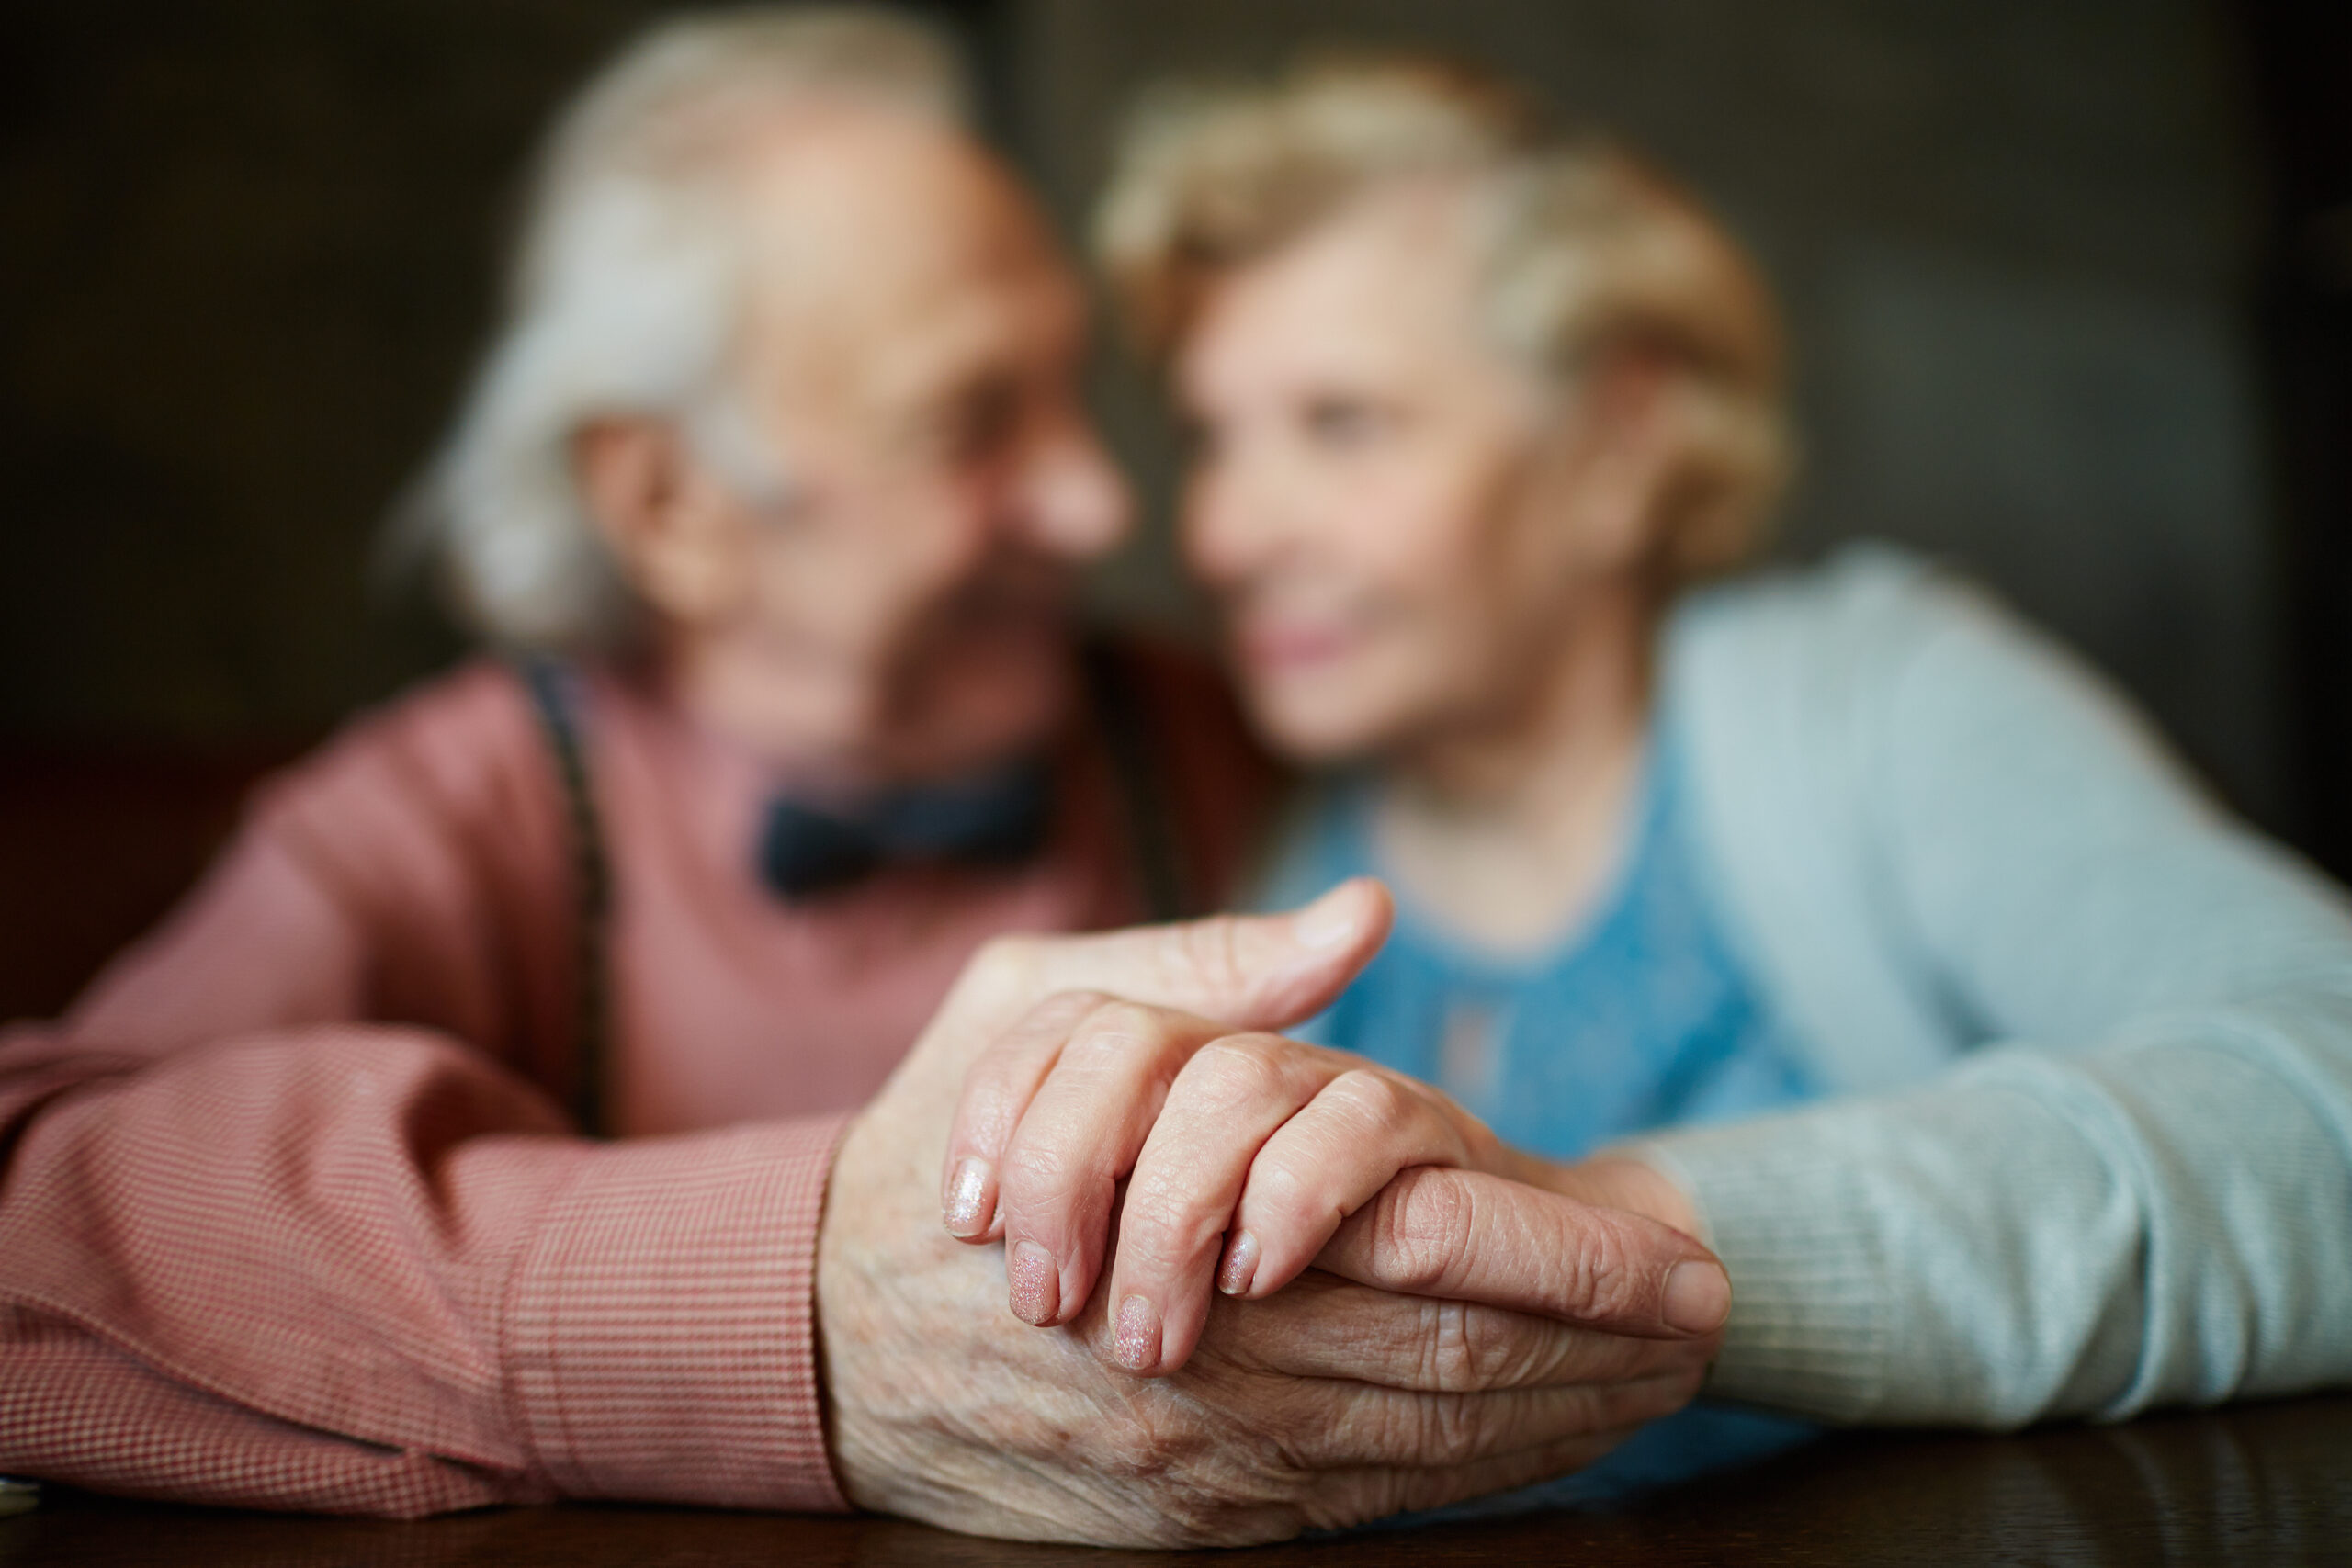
(624, 296)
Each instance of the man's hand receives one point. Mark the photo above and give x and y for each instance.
(1331, 1403)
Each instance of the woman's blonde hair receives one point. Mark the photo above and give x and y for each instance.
(1587, 252)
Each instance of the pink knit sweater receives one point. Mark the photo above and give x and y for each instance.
(289, 1216)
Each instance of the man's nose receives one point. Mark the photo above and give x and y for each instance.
(1071, 500)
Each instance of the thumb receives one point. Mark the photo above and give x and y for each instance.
(1247, 971)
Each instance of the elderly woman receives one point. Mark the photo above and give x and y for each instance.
(1478, 411)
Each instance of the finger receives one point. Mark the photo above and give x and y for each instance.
(1247, 971)
(1472, 1236)
(1078, 1136)
(998, 1088)
(1390, 1426)
(1326, 1162)
(1233, 1094)
(1323, 1326)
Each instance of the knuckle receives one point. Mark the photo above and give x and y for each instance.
(1066, 1009)
(1110, 1032)
(1493, 1351)
(1189, 1478)
(1285, 1201)
(1133, 1451)
(1158, 1258)
(1477, 1349)
(1163, 1225)
(1422, 1228)
(1598, 1282)
(1451, 1426)
(1453, 1356)
(1116, 1015)
(1035, 1172)
(1374, 1097)
(1232, 1071)
(985, 1123)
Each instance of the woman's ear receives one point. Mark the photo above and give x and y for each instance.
(1629, 444)
(679, 538)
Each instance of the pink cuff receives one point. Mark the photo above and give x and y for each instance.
(662, 1330)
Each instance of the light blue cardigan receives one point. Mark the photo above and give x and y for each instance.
(2093, 1038)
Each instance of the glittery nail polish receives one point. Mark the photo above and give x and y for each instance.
(1240, 1265)
(1136, 1342)
(1035, 1281)
(962, 1211)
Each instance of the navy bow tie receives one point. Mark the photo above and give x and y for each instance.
(1000, 819)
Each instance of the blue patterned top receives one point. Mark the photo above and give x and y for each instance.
(1643, 1018)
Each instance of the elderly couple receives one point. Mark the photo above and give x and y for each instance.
(772, 492)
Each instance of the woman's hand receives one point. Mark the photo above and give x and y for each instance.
(1454, 1338)
(1243, 1152)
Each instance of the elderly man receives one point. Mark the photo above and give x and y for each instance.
(775, 484)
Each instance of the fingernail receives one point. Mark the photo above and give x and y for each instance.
(1698, 1298)
(1037, 1284)
(1240, 1265)
(1136, 1342)
(963, 1211)
(1328, 921)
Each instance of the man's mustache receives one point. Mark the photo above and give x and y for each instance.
(1022, 587)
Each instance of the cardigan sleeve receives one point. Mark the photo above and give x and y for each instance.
(2139, 1192)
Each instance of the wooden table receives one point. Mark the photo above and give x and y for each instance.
(2261, 1483)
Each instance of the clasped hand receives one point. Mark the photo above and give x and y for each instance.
(1412, 1314)
(1244, 1157)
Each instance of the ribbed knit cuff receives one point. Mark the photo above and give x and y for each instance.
(662, 1330)
(1808, 1331)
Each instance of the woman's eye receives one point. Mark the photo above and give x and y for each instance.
(1338, 421)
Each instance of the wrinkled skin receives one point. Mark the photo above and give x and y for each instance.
(1327, 1403)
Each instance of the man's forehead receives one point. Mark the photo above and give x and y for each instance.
(891, 252)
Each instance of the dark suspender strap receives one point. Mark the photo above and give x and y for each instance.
(1119, 713)
(1129, 736)
(555, 697)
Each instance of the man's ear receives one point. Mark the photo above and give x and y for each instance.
(677, 535)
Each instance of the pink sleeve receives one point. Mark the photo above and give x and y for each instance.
(355, 1268)
(256, 1250)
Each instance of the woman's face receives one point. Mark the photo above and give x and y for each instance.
(1382, 504)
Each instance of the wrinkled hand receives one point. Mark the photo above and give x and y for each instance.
(1249, 1147)
(1331, 1403)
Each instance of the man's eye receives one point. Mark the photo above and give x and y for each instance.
(975, 425)
(1345, 422)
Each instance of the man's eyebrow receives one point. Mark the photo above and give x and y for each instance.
(958, 351)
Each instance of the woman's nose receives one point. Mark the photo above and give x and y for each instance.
(1230, 526)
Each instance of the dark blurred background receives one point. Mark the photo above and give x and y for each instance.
(2071, 283)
